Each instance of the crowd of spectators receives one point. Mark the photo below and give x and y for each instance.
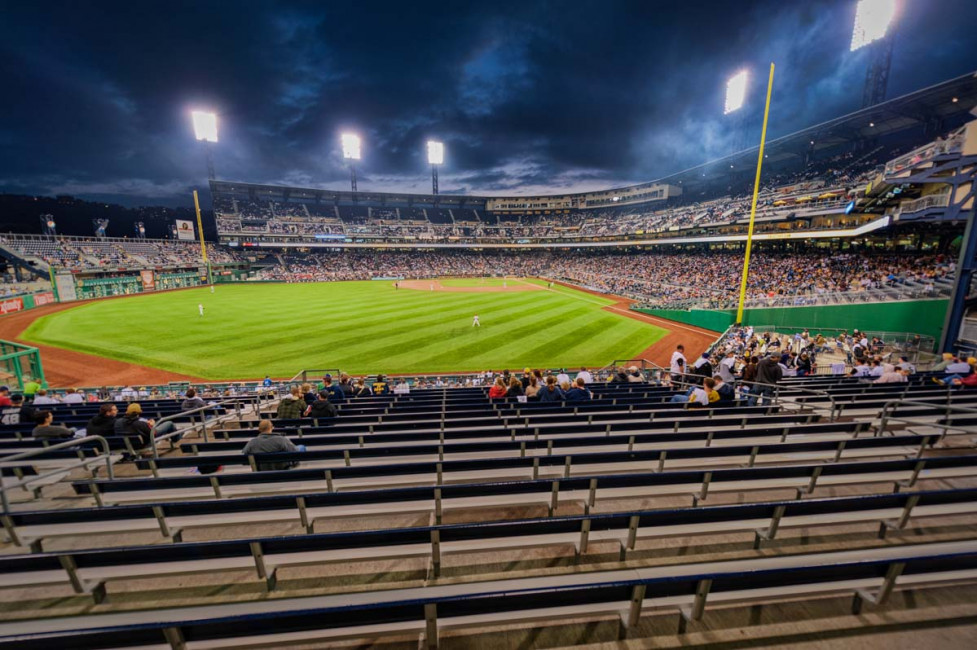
(654, 278)
(89, 254)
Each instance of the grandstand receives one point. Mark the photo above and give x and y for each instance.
(805, 475)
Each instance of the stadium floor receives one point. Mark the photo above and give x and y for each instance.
(88, 364)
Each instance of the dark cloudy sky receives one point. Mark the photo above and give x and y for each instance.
(528, 96)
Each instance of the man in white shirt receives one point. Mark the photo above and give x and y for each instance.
(726, 368)
(585, 375)
(956, 368)
(861, 369)
(563, 377)
(73, 397)
(674, 367)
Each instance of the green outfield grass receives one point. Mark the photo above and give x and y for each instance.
(249, 330)
(475, 282)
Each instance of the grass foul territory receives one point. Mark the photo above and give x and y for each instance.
(249, 330)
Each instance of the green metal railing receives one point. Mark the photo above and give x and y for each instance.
(21, 364)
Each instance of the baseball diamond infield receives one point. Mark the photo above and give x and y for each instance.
(422, 326)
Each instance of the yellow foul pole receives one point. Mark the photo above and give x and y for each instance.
(756, 192)
(203, 246)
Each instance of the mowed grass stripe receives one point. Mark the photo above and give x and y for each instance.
(253, 329)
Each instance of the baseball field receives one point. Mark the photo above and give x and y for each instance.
(250, 330)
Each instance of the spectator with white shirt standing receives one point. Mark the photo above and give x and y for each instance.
(674, 366)
(586, 376)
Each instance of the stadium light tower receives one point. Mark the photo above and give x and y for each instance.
(435, 156)
(736, 91)
(873, 18)
(205, 130)
(351, 153)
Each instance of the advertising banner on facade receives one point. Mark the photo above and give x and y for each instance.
(148, 280)
(11, 305)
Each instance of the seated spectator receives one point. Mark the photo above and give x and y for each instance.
(550, 392)
(72, 396)
(12, 414)
(515, 388)
(361, 389)
(586, 376)
(634, 375)
(726, 392)
(42, 398)
(618, 376)
(532, 390)
(322, 407)
(860, 369)
(578, 392)
(402, 387)
(498, 389)
(269, 442)
(380, 386)
(947, 360)
(563, 377)
(336, 394)
(4, 396)
(704, 395)
(958, 366)
(103, 424)
(192, 401)
(46, 430)
(308, 395)
(291, 406)
(804, 365)
(905, 365)
(133, 425)
(892, 375)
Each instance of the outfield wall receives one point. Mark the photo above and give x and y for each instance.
(918, 316)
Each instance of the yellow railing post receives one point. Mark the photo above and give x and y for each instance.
(756, 192)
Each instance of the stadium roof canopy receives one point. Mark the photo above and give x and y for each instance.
(933, 110)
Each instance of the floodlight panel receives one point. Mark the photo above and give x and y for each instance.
(435, 152)
(351, 146)
(872, 20)
(204, 125)
(736, 91)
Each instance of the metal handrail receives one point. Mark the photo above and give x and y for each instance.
(254, 400)
(834, 410)
(885, 417)
(74, 442)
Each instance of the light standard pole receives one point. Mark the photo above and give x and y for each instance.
(351, 153)
(435, 156)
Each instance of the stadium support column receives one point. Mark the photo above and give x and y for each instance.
(203, 245)
(209, 152)
(434, 179)
(352, 177)
(966, 267)
(756, 192)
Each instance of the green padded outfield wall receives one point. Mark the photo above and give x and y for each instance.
(918, 316)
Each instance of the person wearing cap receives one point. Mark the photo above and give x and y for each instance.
(336, 394)
(322, 407)
(133, 425)
(14, 414)
(527, 377)
(905, 365)
(563, 377)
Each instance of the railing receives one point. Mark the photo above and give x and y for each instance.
(940, 200)
(925, 153)
(252, 400)
(885, 416)
(23, 482)
(777, 398)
